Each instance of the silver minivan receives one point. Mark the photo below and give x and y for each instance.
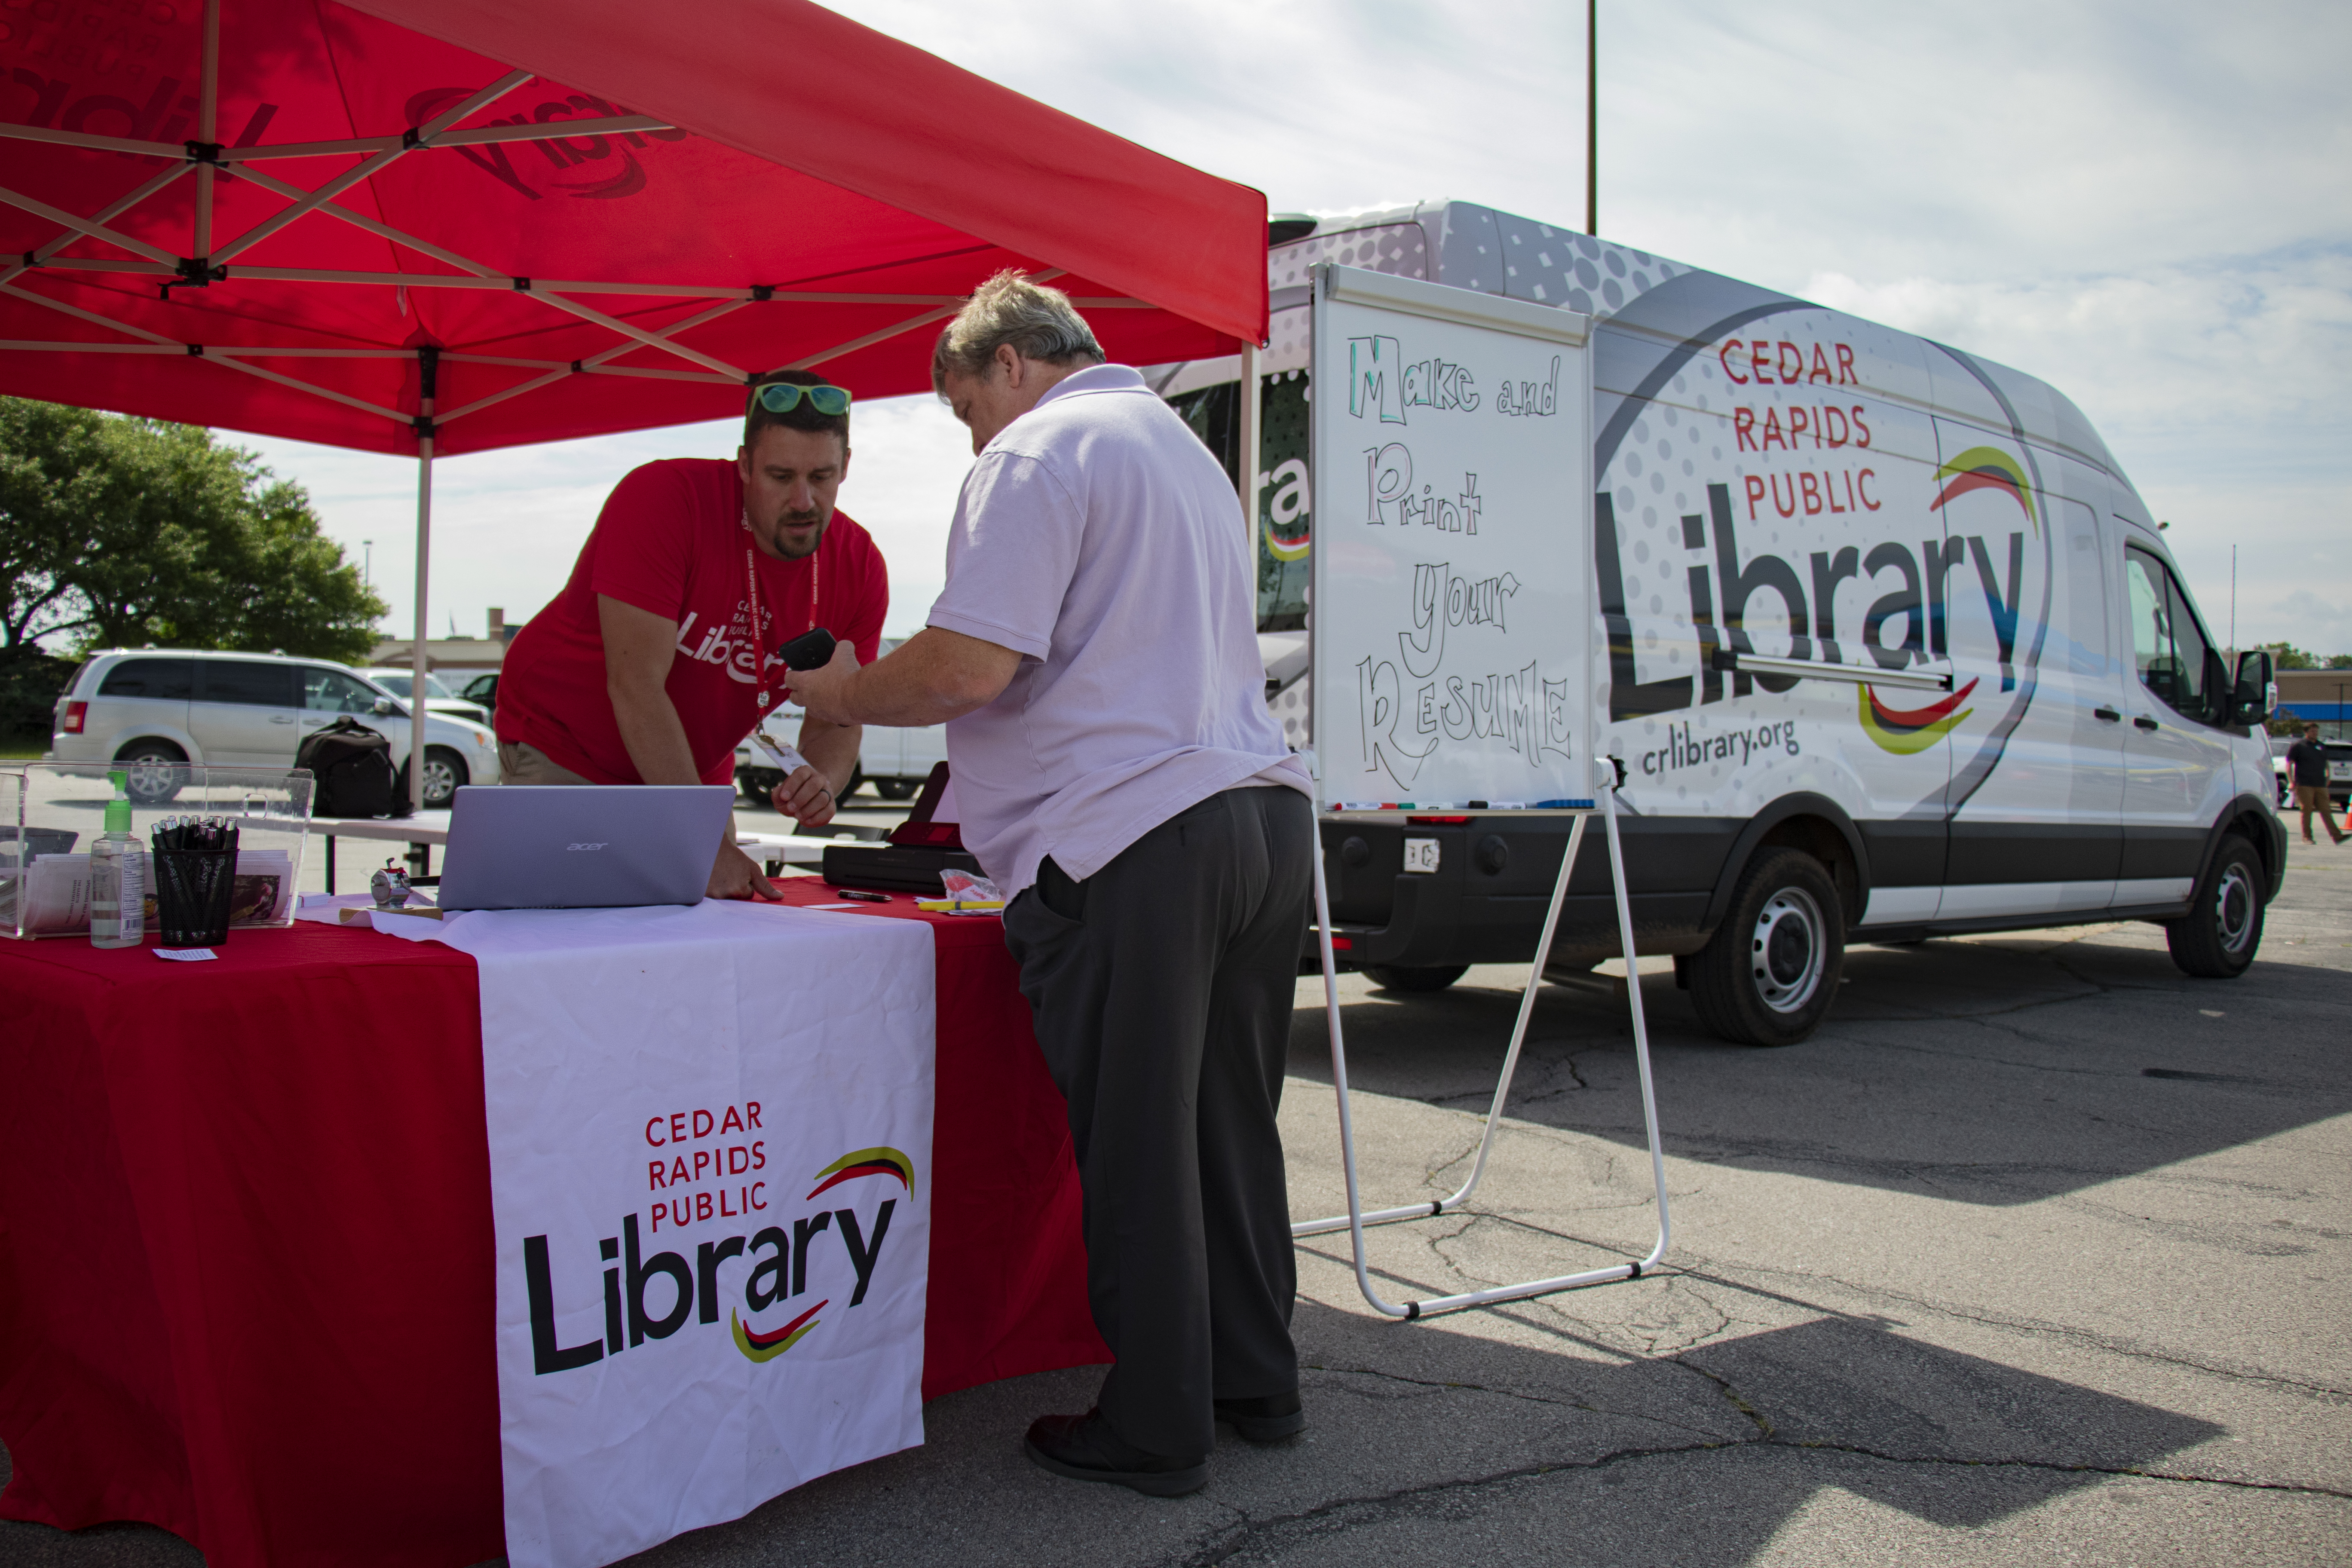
(149, 708)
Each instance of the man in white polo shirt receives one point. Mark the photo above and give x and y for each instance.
(1095, 657)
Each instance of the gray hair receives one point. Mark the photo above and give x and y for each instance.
(1037, 323)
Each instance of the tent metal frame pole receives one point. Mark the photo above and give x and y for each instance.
(427, 370)
(41, 255)
(546, 131)
(1355, 1220)
(90, 227)
(208, 128)
(1251, 439)
(368, 167)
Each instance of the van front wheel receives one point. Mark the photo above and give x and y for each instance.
(2218, 937)
(1770, 971)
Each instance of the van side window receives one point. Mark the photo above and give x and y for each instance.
(2168, 645)
(157, 679)
(239, 680)
(331, 691)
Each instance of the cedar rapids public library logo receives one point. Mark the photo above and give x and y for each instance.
(1826, 469)
(694, 1151)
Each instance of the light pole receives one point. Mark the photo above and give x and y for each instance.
(1592, 117)
(367, 562)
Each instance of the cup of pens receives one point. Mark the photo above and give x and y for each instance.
(195, 879)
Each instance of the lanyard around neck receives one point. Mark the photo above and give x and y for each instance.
(751, 591)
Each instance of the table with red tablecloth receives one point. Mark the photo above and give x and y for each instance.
(245, 1256)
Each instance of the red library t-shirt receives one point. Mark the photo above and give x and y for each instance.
(671, 540)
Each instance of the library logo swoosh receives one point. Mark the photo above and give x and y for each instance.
(1908, 731)
(877, 1162)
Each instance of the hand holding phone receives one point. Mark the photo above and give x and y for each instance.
(813, 649)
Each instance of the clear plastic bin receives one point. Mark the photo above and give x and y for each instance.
(49, 812)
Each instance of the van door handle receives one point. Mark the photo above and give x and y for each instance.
(2145, 722)
(2109, 714)
(281, 719)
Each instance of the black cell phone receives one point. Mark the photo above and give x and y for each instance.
(813, 649)
(862, 897)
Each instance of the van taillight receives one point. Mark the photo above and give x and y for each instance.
(75, 712)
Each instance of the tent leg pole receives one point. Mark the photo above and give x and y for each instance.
(1250, 416)
(1356, 1217)
(417, 663)
(208, 128)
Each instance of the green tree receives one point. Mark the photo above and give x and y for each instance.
(120, 532)
(2286, 655)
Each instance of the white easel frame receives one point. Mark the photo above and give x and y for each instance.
(1356, 1219)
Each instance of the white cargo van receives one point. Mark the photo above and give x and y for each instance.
(1790, 503)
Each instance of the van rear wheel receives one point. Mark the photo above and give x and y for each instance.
(1769, 975)
(2218, 937)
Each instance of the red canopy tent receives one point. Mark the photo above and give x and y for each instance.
(450, 226)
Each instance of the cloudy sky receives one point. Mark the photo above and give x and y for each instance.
(2143, 202)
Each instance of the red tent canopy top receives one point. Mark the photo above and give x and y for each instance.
(304, 219)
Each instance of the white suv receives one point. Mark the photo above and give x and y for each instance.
(149, 708)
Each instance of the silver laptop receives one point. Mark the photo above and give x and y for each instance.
(532, 847)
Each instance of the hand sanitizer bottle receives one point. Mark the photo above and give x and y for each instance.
(118, 890)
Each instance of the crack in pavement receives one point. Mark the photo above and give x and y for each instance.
(1401, 1499)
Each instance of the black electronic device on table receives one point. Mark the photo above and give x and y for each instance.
(918, 850)
(813, 649)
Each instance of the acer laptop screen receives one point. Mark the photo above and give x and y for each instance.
(568, 848)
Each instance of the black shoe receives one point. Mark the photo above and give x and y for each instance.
(1085, 1449)
(1268, 1419)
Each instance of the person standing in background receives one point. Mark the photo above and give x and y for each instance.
(2306, 770)
(660, 655)
(1095, 657)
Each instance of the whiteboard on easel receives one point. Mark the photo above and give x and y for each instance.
(1450, 601)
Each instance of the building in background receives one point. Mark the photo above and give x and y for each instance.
(2322, 696)
(455, 660)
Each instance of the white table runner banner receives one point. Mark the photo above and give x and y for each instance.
(710, 1138)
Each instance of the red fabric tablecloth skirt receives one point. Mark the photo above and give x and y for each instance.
(246, 1248)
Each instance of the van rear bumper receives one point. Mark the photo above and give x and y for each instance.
(1484, 903)
(1430, 928)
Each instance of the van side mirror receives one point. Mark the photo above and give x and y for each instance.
(2254, 695)
(384, 708)
(2219, 701)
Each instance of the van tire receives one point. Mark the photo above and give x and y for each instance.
(1415, 977)
(1769, 975)
(145, 761)
(2219, 937)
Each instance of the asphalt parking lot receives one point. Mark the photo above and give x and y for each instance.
(2037, 1253)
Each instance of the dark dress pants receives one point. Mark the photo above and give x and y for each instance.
(1162, 987)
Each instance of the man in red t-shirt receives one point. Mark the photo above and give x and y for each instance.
(660, 654)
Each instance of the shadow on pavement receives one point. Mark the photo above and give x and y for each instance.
(1993, 1070)
(1697, 1459)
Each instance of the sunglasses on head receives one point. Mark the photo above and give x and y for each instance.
(783, 396)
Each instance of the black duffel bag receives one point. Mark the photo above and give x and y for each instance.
(352, 766)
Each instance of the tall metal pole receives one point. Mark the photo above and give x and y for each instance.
(207, 131)
(1250, 438)
(428, 372)
(1592, 116)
